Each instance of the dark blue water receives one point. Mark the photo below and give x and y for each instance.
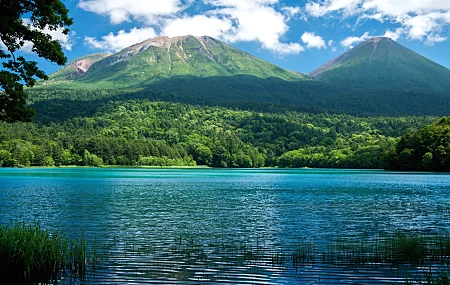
(140, 214)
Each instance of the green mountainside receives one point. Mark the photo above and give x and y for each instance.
(164, 57)
(244, 92)
(381, 63)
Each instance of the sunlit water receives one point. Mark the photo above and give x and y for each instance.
(138, 217)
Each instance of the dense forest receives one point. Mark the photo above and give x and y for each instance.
(426, 149)
(142, 132)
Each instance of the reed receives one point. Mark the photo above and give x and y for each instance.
(31, 255)
(407, 251)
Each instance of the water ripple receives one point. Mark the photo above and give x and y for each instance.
(136, 216)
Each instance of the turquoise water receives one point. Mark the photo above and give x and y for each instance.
(128, 209)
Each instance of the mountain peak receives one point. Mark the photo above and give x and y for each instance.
(372, 42)
(378, 39)
(164, 42)
(375, 41)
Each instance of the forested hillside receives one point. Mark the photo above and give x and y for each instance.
(245, 92)
(142, 132)
(427, 149)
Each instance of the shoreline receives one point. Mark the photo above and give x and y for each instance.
(110, 166)
(195, 167)
(223, 168)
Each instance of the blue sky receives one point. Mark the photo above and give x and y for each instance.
(296, 35)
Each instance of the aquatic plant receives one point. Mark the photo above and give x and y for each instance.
(406, 249)
(30, 254)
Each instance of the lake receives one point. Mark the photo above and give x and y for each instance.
(176, 226)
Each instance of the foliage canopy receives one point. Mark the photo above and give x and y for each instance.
(25, 22)
(426, 149)
(146, 133)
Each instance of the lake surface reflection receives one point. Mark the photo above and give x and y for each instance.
(142, 219)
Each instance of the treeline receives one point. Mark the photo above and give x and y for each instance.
(427, 149)
(142, 132)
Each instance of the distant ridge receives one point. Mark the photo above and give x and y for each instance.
(383, 63)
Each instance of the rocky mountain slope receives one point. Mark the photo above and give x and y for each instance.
(76, 68)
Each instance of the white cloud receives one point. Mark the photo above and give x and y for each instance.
(123, 39)
(283, 49)
(264, 21)
(348, 7)
(291, 11)
(313, 41)
(66, 41)
(394, 35)
(350, 41)
(432, 39)
(402, 7)
(253, 21)
(228, 20)
(330, 44)
(199, 25)
(123, 10)
(2, 46)
(390, 8)
(418, 19)
(315, 9)
(240, 3)
(419, 26)
(26, 48)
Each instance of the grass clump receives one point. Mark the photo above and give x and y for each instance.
(31, 255)
(407, 249)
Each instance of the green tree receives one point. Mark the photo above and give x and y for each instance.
(15, 31)
(91, 159)
(202, 154)
(427, 161)
(5, 158)
(48, 161)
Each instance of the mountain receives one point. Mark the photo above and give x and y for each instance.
(164, 57)
(381, 63)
